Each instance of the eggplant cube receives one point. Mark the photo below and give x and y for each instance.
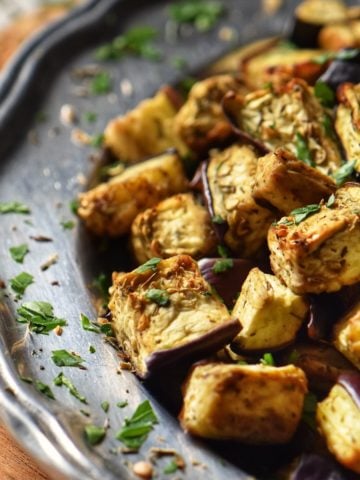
(338, 418)
(347, 335)
(111, 207)
(270, 313)
(287, 183)
(145, 131)
(164, 312)
(253, 404)
(318, 249)
(177, 225)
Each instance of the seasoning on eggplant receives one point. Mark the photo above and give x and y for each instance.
(225, 401)
(275, 117)
(193, 321)
(270, 314)
(177, 225)
(320, 252)
(346, 335)
(286, 183)
(111, 207)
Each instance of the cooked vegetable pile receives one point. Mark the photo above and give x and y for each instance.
(252, 263)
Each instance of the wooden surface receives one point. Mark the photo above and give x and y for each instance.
(16, 464)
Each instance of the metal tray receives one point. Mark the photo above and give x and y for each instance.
(41, 167)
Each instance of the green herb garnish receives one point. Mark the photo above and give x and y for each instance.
(341, 55)
(331, 201)
(106, 329)
(171, 467)
(13, 207)
(67, 224)
(92, 349)
(136, 429)
(203, 14)
(309, 410)
(87, 325)
(100, 84)
(179, 63)
(267, 360)
(223, 265)
(328, 127)
(97, 140)
(150, 265)
(122, 404)
(94, 435)
(218, 219)
(105, 405)
(302, 150)
(61, 380)
(300, 214)
(90, 117)
(223, 251)
(324, 93)
(74, 205)
(284, 221)
(39, 316)
(44, 389)
(186, 84)
(18, 253)
(161, 297)
(343, 173)
(20, 283)
(137, 41)
(63, 358)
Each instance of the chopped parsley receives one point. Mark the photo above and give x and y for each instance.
(90, 117)
(13, 207)
(137, 41)
(324, 93)
(267, 360)
(105, 405)
(39, 316)
(97, 140)
(122, 404)
(63, 358)
(67, 224)
(223, 265)
(203, 14)
(218, 219)
(101, 84)
(171, 467)
(87, 325)
(92, 349)
(300, 214)
(44, 389)
(137, 428)
(106, 329)
(20, 283)
(186, 84)
(331, 201)
(179, 63)
(150, 265)
(284, 221)
(223, 251)
(303, 152)
(309, 410)
(74, 206)
(328, 127)
(341, 55)
(343, 173)
(94, 435)
(161, 297)
(61, 380)
(18, 253)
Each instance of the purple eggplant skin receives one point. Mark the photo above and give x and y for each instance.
(228, 283)
(194, 350)
(318, 467)
(351, 382)
(342, 71)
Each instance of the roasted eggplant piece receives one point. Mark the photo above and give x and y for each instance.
(279, 64)
(311, 16)
(254, 404)
(317, 248)
(270, 314)
(338, 418)
(164, 312)
(286, 183)
(147, 130)
(111, 207)
(200, 123)
(288, 116)
(230, 176)
(348, 121)
(347, 335)
(342, 71)
(177, 225)
(226, 276)
(317, 467)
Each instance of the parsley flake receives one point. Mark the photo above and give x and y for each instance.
(171, 467)
(18, 253)
(223, 251)
(122, 404)
(136, 429)
(331, 201)
(302, 213)
(63, 358)
(61, 380)
(267, 360)
(13, 207)
(20, 283)
(67, 224)
(106, 329)
(150, 265)
(87, 325)
(94, 435)
(309, 410)
(90, 117)
(97, 140)
(39, 316)
(343, 173)
(218, 219)
(105, 405)
(74, 205)
(161, 297)
(92, 349)
(200, 13)
(341, 55)
(44, 389)
(324, 93)
(303, 152)
(100, 84)
(223, 265)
